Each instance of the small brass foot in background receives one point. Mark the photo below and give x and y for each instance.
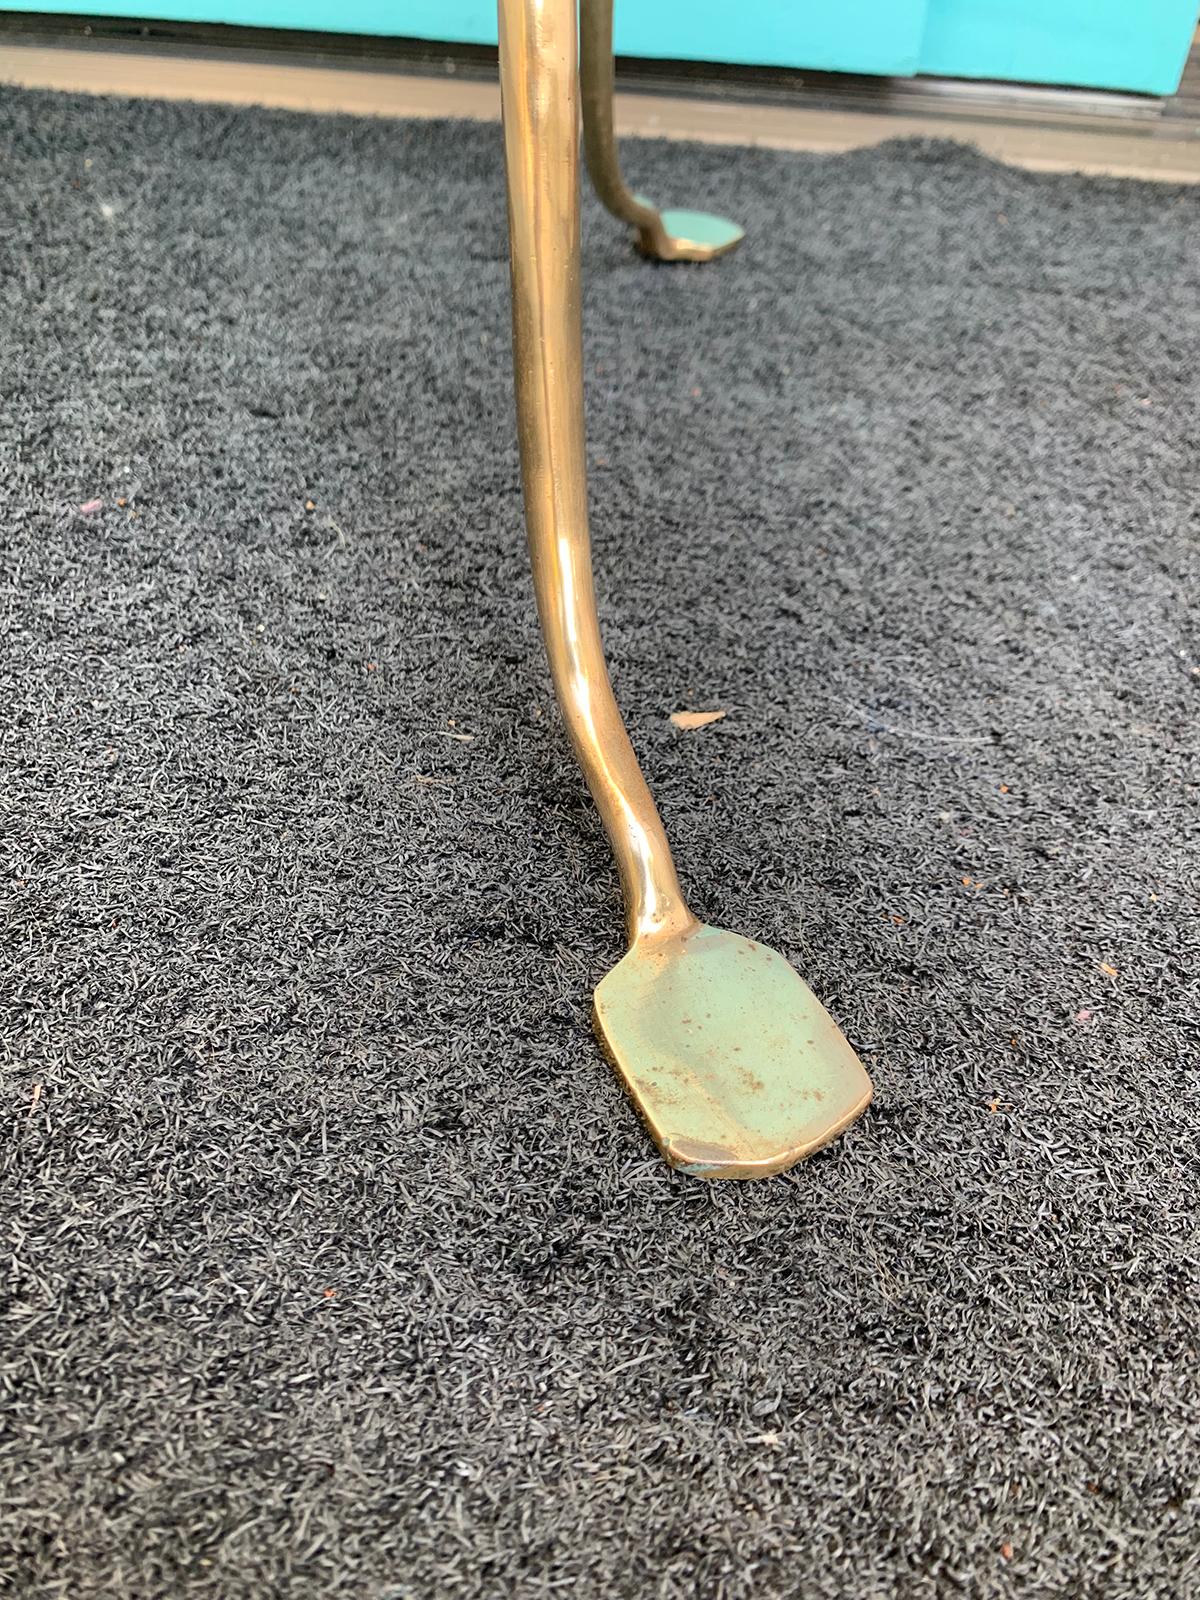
(665, 235)
(734, 1065)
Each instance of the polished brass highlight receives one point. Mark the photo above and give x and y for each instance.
(732, 1062)
(665, 235)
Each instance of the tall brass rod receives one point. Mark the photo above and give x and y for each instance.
(538, 76)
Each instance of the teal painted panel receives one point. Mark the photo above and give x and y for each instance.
(464, 21)
(881, 36)
(1108, 44)
(1113, 44)
(850, 36)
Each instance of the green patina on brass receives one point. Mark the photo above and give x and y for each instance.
(736, 1067)
(681, 235)
(713, 236)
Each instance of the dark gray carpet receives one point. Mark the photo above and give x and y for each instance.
(339, 1263)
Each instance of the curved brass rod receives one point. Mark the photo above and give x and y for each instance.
(538, 80)
(736, 1068)
(665, 235)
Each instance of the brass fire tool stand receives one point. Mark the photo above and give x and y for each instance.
(736, 1068)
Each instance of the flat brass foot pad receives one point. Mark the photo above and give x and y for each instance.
(735, 1066)
(688, 236)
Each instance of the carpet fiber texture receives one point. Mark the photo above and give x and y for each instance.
(339, 1263)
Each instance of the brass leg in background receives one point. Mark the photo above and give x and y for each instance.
(666, 235)
(732, 1062)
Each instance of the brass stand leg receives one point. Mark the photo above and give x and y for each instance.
(541, 143)
(666, 235)
(730, 1059)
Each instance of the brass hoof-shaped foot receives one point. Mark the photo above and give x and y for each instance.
(734, 1064)
(686, 235)
(661, 235)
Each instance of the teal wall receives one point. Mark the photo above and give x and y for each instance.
(1115, 44)
(1109, 44)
